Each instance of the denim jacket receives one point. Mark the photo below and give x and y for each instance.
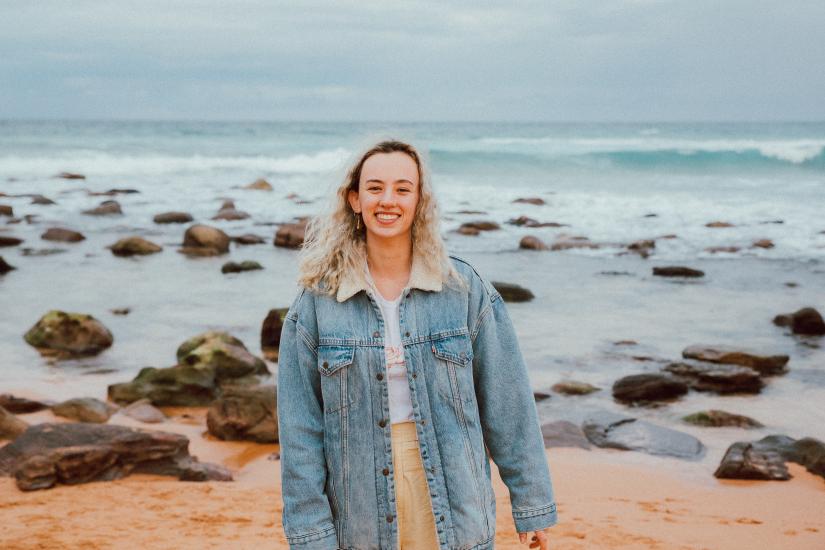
(469, 390)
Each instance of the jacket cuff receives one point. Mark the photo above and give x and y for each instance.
(535, 519)
(323, 539)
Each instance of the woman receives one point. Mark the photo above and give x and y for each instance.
(398, 365)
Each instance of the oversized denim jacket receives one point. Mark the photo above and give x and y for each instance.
(469, 390)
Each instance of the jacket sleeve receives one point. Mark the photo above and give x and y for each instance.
(508, 414)
(307, 517)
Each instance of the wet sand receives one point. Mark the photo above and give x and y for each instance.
(606, 499)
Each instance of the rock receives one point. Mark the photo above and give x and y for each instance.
(10, 425)
(221, 352)
(259, 184)
(563, 434)
(626, 343)
(513, 293)
(35, 252)
(567, 242)
(480, 225)
(85, 409)
(469, 231)
(642, 248)
(480, 212)
(615, 431)
(172, 217)
(5, 267)
(121, 310)
(723, 249)
(764, 364)
(271, 332)
(539, 395)
(806, 321)
(48, 454)
(177, 386)
(245, 414)
(291, 235)
(763, 243)
(68, 335)
(677, 271)
(205, 240)
(524, 221)
(62, 235)
(716, 418)
(572, 387)
(111, 192)
(538, 201)
(106, 208)
(234, 267)
(647, 387)
(248, 238)
(40, 199)
(719, 224)
(530, 242)
(6, 210)
(143, 411)
(70, 176)
(20, 405)
(228, 212)
(748, 461)
(717, 378)
(9, 241)
(131, 246)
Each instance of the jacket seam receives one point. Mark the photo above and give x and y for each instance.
(306, 338)
(311, 536)
(533, 511)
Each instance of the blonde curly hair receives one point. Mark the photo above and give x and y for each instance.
(334, 245)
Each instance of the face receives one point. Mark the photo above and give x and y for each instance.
(387, 195)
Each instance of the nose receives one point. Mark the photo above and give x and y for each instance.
(387, 197)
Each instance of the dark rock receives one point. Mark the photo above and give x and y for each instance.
(764, 364)
(620, 432)
(5, 267)
(20, 405)
(229, 212)
(106, 208)
(235, 267)
(677, 271)
(271, 332)
(66, 335)
(259, 184)
(9, 241)
(513, 293)
(111, 192)
(539, 395)
(291, 235)
(524, 221)
(763, 243)
(172, 217)
(36, 252)
(6, 210)
(48, 454)
(70, 176)
(221, 352)
(563, 434)
(142, 410)
(806, 321)
(647, 387)
(642, 248)
(718, 378)
(626, 343)
(567, 242)
(538, 201)
(40, 199)
(572, 387)
(245, 414)
(121, 310)
(469, 231)
(719, 224)
(723, 249)
(131, 246)
(480, 225)
(10, 425)
(530, 242)
(62, 235)
(180, 385)
(480, 212)
(205, 240)
(85, 409)
(749, 461)
(715, 418)
(248, 238)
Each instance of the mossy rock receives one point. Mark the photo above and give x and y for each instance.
(715, 418)
(222, 353)
(180, 385)
(572, 387)
(69, 335)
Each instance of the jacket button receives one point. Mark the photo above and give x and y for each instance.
(382, 423)
(442, 518)
(407, 334)
(389, 518)
(423, 421)
(379, 376)
(414, 375)
(385, 471)
(375, 334)
(326, 364)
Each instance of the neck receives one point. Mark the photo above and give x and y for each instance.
(390, 259)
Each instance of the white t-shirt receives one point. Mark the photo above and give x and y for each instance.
(396, 366)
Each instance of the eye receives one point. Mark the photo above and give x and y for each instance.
(404, 190)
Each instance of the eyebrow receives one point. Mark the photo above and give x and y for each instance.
(396, 181)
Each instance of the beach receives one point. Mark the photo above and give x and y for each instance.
(703, 194)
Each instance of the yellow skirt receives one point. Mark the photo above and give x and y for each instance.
(416, 523)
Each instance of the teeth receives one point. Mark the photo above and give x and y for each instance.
(387, 216)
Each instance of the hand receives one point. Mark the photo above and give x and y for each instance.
(539, 540)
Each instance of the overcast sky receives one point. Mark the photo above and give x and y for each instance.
(576, 60)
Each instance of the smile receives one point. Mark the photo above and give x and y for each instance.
(387, 218)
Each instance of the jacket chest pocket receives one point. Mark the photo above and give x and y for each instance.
(454, 367)
(339, 387)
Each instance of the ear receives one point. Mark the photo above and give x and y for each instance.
(354, 203)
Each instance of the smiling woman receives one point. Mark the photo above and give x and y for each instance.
(399, 372)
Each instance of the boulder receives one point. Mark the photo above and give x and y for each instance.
(40, 199)
(764, 364)
(85, 409)
(6, 210)
(105, 208)
(717, 378)
(538, 201)
(806, 321)
(642, 248)
(221, 352)
(567, 242)
(142, 410)
(722, 249)
(229, 212)
(572, 387)
(513, 293)
(203, 240)
(235, 267)
(765, 459)
(131, 246)
(10, 425)
(5, 267)
(563, 434)
(61, 234)
(37, 252)
(68, 335)
(271, 332)
(259, 184)
(111, 192)
(47, 454)
(245, 414)
(530, 242)
(176, 386)
(469, 231)
(677, 271)
(9, 241)
(172, 217)
(647, 387)
(714, 418)
(248, 238)
(763, 243)
(70, 176)
(606, 429)
(719, 224)
(291, 235)
(481, 225)
(20, 405)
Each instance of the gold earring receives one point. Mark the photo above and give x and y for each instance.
(357, 221)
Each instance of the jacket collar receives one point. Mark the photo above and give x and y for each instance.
(421, 277)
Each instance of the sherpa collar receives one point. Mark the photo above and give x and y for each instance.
(421, 277)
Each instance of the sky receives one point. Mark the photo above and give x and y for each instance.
(348, 60)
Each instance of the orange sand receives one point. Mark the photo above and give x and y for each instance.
(605, 500)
